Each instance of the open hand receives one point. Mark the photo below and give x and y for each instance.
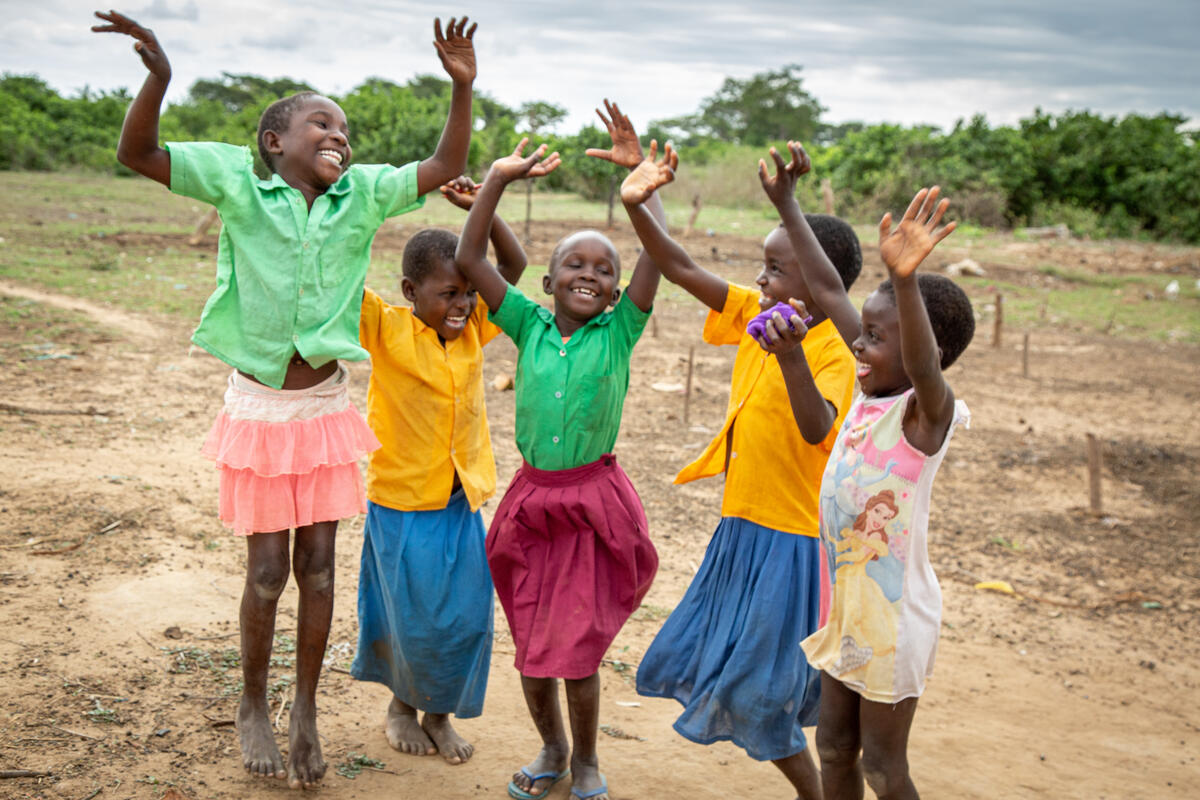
(649, 175)
(515, 166)
(146, 45)
(784, 334)
(917, 234)
(456, 49)
(781, 187)
(460, 192)
(626, 149)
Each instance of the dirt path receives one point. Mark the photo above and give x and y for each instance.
(118, 589)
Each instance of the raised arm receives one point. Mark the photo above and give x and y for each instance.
(510, 256)
(138, 147)
(819, 273)
(666, 254)
(626, 151)
(471, 256)
(457, 52)
(902, 250)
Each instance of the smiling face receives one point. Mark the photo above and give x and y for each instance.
(780, 278)
(880, 364)
(314, 151)
(444, 300)
(583, 279)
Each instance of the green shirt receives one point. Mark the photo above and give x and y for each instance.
(569, 395)
(289, 278)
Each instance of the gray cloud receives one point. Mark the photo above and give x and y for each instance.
(863, 59)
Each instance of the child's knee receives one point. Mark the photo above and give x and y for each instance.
(268, 580)
(884, 774)
(836, 745)
(316, 578)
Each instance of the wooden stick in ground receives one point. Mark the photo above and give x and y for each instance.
(202, 226)
(827, 193)
(1093, 454)
(528, 209)
(691, 223)
(687, 391)
(999, 320)
(1025, 357)
(612, 197)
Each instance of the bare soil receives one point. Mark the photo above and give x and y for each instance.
(119, 588)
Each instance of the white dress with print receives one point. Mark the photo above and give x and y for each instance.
(881, 606)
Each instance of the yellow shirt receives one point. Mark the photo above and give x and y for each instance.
(425, 403)
(774, 476)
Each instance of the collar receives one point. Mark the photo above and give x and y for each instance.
(340, 186)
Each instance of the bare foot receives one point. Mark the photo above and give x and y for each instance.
(403, 732)
(454, 748)
(543, 772)
(260, 754)
(306, 767)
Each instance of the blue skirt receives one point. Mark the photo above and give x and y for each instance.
(425, 607)
(730, 651)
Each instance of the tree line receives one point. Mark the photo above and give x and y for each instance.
(1102, 176)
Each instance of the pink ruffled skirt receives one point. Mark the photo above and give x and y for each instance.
(288, 457)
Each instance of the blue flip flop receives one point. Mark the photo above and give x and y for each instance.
(594, 792)
(521, 794)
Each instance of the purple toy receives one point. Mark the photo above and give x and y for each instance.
(757, 326)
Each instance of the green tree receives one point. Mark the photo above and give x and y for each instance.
(769, 106)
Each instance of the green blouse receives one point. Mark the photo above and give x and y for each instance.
(569, 395)
(289, 278)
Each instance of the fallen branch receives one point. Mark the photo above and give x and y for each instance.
(90, 411)
(23, 773)
(78, 544)
(75, 733)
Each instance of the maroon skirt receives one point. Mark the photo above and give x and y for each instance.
(571, 559)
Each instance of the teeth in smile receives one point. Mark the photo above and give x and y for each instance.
(332, 155)
(586, 292)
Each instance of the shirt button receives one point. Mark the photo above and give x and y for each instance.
(295, 337)
(306, 245)
(302, 291)
(562, 352)
(733, 455)
(556, 440)
(558, 394)
(452, 451)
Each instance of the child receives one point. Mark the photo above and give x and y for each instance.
(424, 590)
(568, 546)
(291, 261)
(728, 651)
(881, 618)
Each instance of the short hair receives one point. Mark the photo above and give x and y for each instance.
(425, 251)
(840, 243)
(278, 118)
(556, 253)
(950, 313)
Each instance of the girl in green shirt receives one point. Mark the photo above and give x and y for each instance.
(291, 263)
(568, 547)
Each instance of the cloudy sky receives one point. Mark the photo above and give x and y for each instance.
(863, 60)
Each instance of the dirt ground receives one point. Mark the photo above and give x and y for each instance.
(119, 589)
